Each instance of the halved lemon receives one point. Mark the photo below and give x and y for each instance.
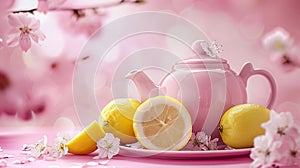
(162, 123)
(86, 141)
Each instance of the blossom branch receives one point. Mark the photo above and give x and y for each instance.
(26, 28)
(78, 8)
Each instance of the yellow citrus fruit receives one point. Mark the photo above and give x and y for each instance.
(86, 141)
(162, 123)
(242, 123)
(116, 118)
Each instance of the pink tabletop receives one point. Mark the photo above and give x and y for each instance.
(11, 141)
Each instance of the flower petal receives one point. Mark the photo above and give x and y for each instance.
(14, 21)
(12, 41)
(38, 35)
(90, 164)
(42, 6)
(25, 42)
(27, 19)
(278, 41)
(14, 31)
(110, 155)
(55, 3)
(103, 152)
(34, 24)
(34, 37)
(3, 163)
(104, 162)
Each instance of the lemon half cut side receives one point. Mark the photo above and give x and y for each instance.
(162, 123)
(86, 141)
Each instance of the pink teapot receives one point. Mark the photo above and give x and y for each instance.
(207, 87)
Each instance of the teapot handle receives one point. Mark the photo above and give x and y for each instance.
(248, 71)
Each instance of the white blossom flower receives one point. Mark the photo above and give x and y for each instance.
(278, 41)
(206, 48)
(108, 146)
(60, 148)
(39, 148)
(265, 152)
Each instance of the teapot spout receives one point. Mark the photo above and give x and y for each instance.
(144, 84)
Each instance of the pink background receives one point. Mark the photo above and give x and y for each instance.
(42, 77)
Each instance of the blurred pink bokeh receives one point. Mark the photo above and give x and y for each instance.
(42, 77)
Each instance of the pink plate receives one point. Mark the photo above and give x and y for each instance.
(132, 152)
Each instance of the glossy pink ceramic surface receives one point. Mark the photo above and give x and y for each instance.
(207, 88)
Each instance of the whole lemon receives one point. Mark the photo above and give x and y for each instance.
(117, 118)
(242, 123)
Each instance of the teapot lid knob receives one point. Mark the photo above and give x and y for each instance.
(211, 50)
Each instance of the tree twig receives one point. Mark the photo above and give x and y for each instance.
(77, 8)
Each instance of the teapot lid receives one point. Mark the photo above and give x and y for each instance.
(212, 63)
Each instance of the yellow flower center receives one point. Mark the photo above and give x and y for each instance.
(108, 144)
(279, 45)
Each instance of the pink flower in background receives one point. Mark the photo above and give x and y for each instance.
(45, 5)
(24, 29)
(83, 21)
(278, 40)
(284, 51)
